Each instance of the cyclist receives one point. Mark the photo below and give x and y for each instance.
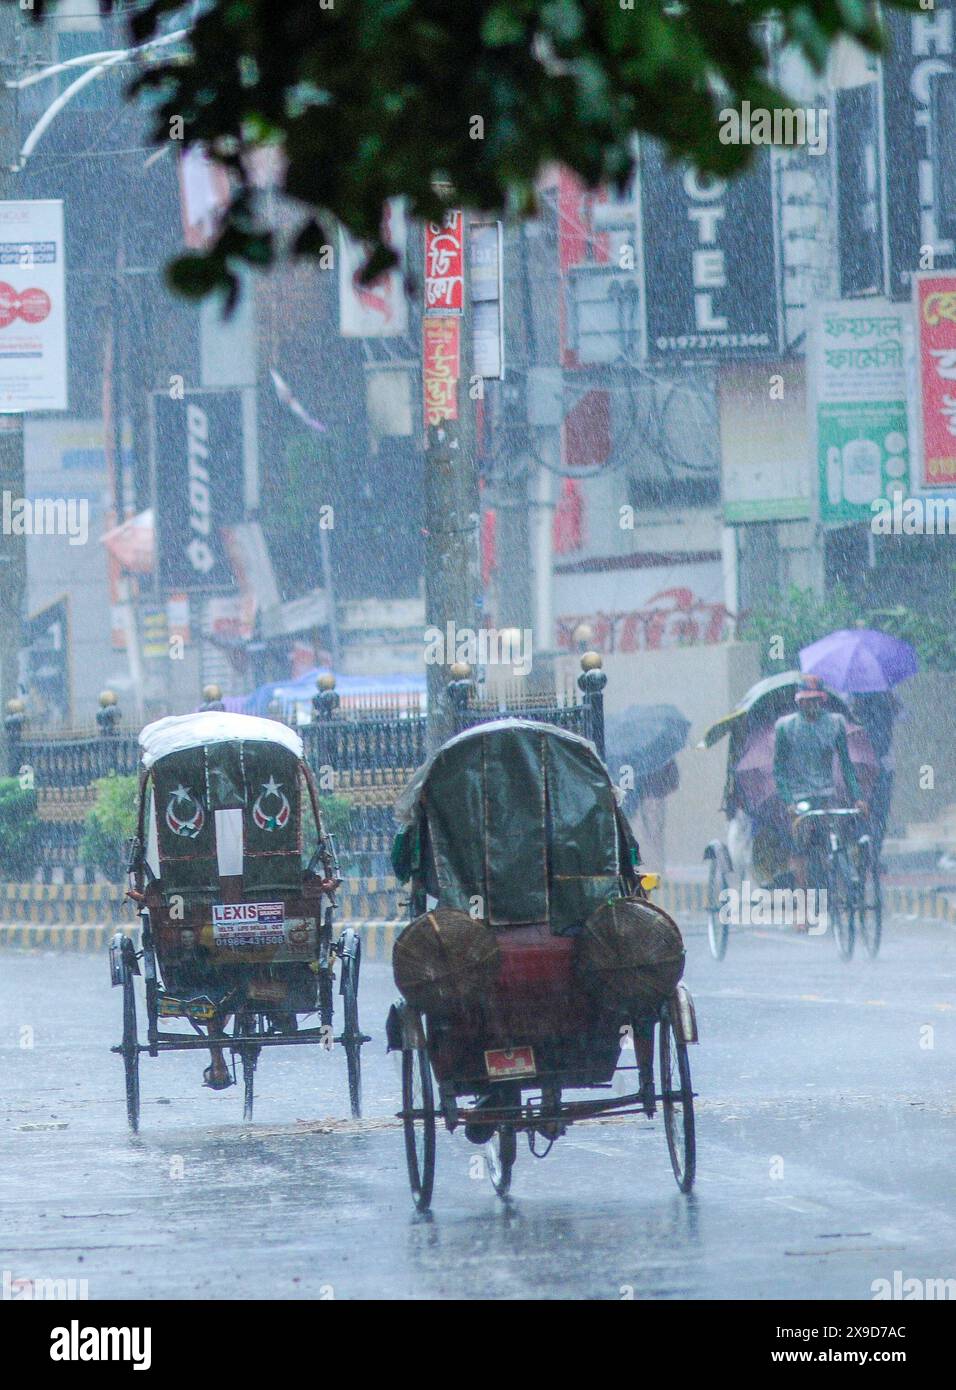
(804, 746)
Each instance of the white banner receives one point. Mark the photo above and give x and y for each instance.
(485, 262)
(32, 307)
(378, 310)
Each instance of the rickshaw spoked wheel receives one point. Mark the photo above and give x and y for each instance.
(418, 1107)
(677, 1101)
(352, 1037)
(130, 1049)
(500, 1155)
(717, 929)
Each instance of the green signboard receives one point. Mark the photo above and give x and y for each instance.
(859, 403)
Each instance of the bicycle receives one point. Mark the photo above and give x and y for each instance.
(848, 874)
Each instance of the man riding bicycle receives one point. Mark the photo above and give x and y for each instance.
(804, 745)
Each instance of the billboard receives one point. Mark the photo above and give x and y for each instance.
(857, 365)
(198, 487)
(763, 442)
(441, 368)
(32, 307)
(859, 201)
(486, 281)
(445, 264)
(935, 297)
(45, 664)
(710, 282)
(922, 45)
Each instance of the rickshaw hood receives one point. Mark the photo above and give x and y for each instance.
(178, 732)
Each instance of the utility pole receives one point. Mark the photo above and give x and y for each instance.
(451, 486)
(13, 570)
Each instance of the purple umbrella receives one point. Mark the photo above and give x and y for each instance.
(860, 660)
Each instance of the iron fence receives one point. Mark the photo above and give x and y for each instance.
(362, 753)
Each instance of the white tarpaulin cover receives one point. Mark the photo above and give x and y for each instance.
(179, 731)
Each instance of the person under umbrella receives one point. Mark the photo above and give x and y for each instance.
(865, 663)
(805, 743)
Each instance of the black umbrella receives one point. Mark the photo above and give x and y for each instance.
(645, 737)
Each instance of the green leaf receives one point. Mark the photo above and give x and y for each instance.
(195, 274)
(500, 27)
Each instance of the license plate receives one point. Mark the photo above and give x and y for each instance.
(510, 1061)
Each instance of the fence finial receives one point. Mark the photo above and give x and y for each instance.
(108, 712)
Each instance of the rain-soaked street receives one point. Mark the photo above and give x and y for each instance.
(826, 1129)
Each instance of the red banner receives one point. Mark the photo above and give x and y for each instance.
(441, 361)
(445, 265)
(936, 325)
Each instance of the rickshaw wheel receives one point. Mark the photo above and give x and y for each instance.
(871, 901)
(500, 1155)
(351, 1033)
(677, 1103)
(717, 931)
(418, 1096)
(130, 1049)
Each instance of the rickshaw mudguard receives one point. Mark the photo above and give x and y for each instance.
(122, 957)
(404, 1028)
(683, 1014)
(719, 851)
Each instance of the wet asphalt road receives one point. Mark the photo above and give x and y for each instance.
(826, 1151)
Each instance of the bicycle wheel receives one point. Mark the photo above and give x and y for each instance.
(500, 1155)
(130, 1049)
(418, 1120)
(718, 930)
(841, 902)
(678, 1103)
(871, 901)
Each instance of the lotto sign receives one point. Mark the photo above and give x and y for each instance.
(32, 307)
(198, 453)
(445, 265)
(936, 325)
(441, 338)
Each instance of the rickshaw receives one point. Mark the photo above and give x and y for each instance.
(234, 880)
(533, 958)
(841, 855)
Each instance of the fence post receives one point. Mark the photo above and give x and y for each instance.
(592, 681)
(13, 728)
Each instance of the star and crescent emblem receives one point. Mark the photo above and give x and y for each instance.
(184, 813)
(271, 808)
